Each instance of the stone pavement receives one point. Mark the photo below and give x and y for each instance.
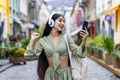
(95, 71)
(4, 64)
(98, 72)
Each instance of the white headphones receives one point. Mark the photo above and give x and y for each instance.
(51, 21)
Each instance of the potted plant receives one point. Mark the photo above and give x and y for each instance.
(24, 42)
(94, 44)
(97, 41)
(108, 44)
(116, 63)
(99, 46)
(17, 55)
(90, 46)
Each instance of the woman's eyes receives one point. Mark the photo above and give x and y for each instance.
(61, 20)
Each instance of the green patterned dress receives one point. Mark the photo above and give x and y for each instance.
(56, 72)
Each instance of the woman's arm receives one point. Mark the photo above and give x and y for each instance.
(34, 37)
(78, 50)
(84, 34)
(33, 49)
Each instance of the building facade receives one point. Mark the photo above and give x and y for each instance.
(15, 21)
(105, 26)
(4, 19)
(24, 17)
(44, 13)
(34, 7)
(115, 9)
(37, 14)
(108, 13)
(93, 27)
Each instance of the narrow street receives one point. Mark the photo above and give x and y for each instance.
(97, 72)
(21, 72)
(28, 72)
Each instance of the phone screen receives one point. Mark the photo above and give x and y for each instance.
(85, 25)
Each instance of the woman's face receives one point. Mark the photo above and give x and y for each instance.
(59, 23)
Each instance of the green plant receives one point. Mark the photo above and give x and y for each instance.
(117, 46)
(24, 42)
(108, 44)
(0, 48)
(16, 52)
(91, 43)
(117, 53)
(98, 40)
(117, 50)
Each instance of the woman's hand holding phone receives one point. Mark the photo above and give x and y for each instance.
(84, 33)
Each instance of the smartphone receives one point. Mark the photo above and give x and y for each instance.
(85, 25)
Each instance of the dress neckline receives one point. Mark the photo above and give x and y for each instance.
(51, 42)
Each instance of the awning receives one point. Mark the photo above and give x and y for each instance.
(114, 8)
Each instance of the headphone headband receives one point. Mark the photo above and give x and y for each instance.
(51, 21)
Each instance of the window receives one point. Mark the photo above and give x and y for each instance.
(109, 3)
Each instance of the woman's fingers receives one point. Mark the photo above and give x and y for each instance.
(35, 35)
(84, 33)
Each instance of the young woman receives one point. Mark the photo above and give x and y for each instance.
(53, 63)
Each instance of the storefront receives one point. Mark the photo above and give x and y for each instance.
(115, 14)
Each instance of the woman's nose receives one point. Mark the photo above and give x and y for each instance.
(63, 22)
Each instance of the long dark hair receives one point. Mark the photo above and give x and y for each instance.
(42, 60)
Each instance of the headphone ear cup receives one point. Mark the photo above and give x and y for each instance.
(51, 23)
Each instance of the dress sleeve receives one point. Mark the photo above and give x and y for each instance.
(76, 50)
(35, 51)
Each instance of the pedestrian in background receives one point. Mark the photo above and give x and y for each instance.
(53, 63)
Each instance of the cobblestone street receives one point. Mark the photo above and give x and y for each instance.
(28, 72)
(97, 72)
(21, 72)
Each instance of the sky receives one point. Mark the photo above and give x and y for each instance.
(52, 4)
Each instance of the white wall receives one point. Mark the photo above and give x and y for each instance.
(99, 8)
(44, 14)
(68, 21)
(115, 2)
(24, 7)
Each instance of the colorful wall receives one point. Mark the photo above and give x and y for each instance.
(5, 17)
